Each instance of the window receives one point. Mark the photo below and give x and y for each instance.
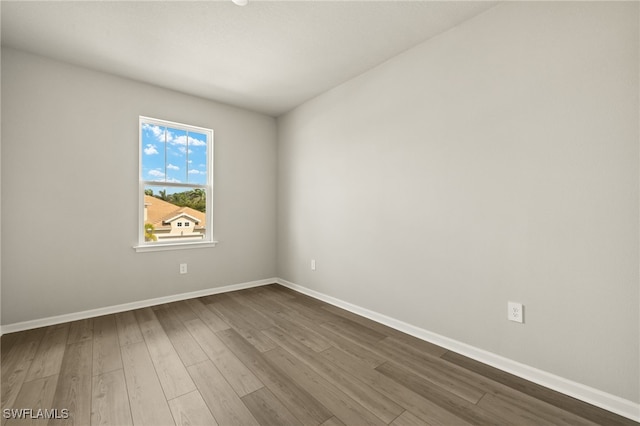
(176, 182)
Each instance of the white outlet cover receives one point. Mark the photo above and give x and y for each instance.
(515, 312)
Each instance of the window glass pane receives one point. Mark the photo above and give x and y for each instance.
(174, 166)
(177, 153)
(197, 162)
(153, 152)
(166, 207)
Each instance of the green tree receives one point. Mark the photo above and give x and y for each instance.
(195, 199)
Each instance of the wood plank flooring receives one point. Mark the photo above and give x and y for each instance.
(262, 356)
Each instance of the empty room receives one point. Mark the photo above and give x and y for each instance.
(261, 212)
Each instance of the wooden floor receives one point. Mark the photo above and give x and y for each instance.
(263, 356)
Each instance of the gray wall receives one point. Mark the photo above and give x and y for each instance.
(0, 195)
(70, 161)
(495, 162)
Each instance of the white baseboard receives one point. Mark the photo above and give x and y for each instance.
(579, 391)
(58, 319)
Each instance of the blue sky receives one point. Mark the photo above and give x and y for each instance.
(172, 155)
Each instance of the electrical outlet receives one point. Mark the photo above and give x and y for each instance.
(183, 268)
(515, 312)
(313, 264)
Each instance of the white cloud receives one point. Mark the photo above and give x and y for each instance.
(150, 149)
(172, 167)
(182, 140)
(156, 173)
(196, 142)
(196, 172)
(158, 132)
(183, 150)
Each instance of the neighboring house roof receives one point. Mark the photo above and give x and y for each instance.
(160, 212)
(181, 214)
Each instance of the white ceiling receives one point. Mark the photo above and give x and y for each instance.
(268, 56)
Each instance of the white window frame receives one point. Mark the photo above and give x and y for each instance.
(208, 240)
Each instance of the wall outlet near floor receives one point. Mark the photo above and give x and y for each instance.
(183, 268)
(515, 312)
(313, 264)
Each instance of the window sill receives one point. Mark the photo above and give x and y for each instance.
(173, 246)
